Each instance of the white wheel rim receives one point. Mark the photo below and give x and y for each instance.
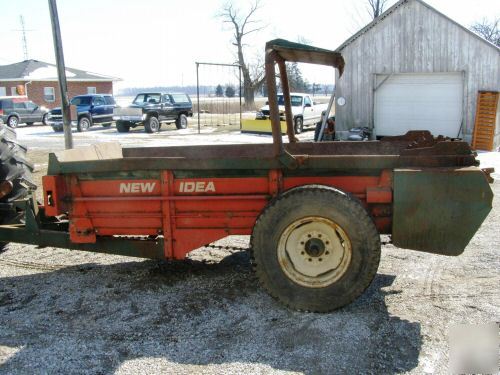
(314, 252)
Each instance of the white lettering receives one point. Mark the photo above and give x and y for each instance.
(210, 187)
(189, 187)
(137, 187)
(198, 187)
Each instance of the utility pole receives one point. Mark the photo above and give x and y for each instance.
(61, 74)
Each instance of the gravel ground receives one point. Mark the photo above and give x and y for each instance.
(67, 311)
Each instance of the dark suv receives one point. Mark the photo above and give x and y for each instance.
(92, 109)
(15, 110)
(151, 109)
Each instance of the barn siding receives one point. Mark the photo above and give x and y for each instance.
(414, 38)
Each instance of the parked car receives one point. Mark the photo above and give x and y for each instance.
(151, 109)
(15, 110)
(91, 109)
(305, 111)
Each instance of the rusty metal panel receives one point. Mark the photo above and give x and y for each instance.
(439, 210)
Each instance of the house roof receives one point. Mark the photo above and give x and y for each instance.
(34, 70)
(392, 9)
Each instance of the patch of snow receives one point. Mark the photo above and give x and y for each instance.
(490, 160)
(46, 72)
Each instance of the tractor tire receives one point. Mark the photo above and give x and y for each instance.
(315, 248)
(299, 125)
(181, 122)
(14, 168)
(152, 125)
(122, 127)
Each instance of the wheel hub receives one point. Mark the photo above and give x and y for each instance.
(314, 252)
(314, 247)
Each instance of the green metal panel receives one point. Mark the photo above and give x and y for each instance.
(439, 210)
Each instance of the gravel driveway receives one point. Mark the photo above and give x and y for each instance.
(67, 311)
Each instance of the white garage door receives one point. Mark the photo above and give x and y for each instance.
(418, 102)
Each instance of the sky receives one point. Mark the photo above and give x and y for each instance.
(157, 42)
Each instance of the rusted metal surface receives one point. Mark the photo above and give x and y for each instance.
(297, 52)
(279, 51)
(273, 102)
(290, 131)
(438, 210)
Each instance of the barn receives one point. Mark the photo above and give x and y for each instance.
(414, 68)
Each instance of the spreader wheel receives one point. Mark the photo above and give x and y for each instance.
(315, 248)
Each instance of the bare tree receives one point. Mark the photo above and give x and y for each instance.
(376, 7)
(489, 30)
(242, 25)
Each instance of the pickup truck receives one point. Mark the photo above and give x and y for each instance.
(305, 111)
(92, 109)
(151, 109)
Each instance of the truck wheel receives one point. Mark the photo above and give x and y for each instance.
(299, 125)
(44, 118)
(13, 121)
(152, 125)
(181, 122)
(122, 127)
(84, 124)
(14, 168)
(319, 256)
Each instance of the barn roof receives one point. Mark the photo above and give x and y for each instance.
(34, 70)
(392, 9)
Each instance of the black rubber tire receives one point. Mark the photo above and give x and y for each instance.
(329, 203)
(152, 125)
(16, 168)
(57, 129)
(84, 124)
(106, 125)
(13, 122)
(299, 125)
(29, 123)
(181, 122)
(122, 127)
(44, 118)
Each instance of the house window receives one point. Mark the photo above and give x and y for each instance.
(13, 91)
(91, 90)
(3, 91)
(49, 94)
